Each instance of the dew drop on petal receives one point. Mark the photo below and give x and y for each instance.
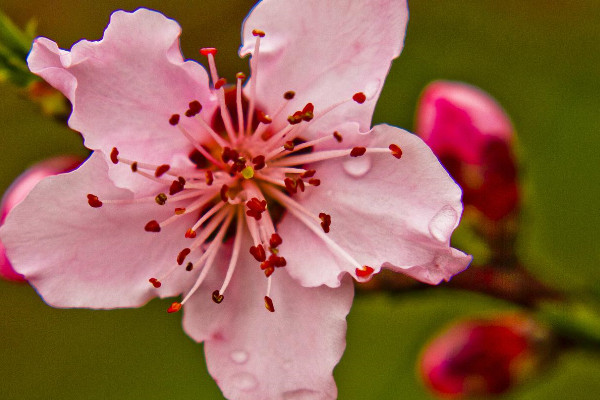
(302, 394)
(443, 223)
(244, 381)
(239, 356)
(358, 166)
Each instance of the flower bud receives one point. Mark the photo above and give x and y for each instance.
(483, 357)
(472, 136)
(19, 189)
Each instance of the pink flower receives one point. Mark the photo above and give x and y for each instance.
(484, 357)
(20, 189)
(472, 136)
(272, 211)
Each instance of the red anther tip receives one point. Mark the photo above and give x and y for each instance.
(220, 83)
(275, 240)
(179, 210)
(289, 95)
(209, 178)
(155, 282)
(189, 266)
(223, 193)
(175, 187)
(114, 155)
(269, 304)
(309, 173)
(357, 151)
(309, 107)
(217, 297)
(152, 226)
(208, 50)
(364, 272)
(93, 201)
(258, 252)
(359, 97)
(134, 166)
(240, 75)
(258, 32)
(174, 120)
(264, 118)
(289, 145)
(161, 170)
(195, 106)
(190, 234)
(174, 308)
(396, 150)
(337, 136)
(160, 199)
(314, 182)
(182, 255)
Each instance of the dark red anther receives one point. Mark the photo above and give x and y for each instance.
(175, 187)
(277, 261)
(160, 199)
(308, 173)
(258, 252)
(182, 255)
(174, 308)
(93, 201)
(269, 304)
(189, 266)
(325, 221)
(190, 233)
(217, 297)
(161, 170)
(179, 210)
(290, 186)
(152, 226)
(275, 240)
(289, 95)
(240, 75)
(209, 178)
(174, 120)
(396, 150)
(195, 106)
(364, 272)
(309, 107)
(256, 204)
(134, 166)
(296, 118)
(114, 155)
(300, 184)
(314, 182)
(220, 83)
(228, 154)
(359, 97)
(223, 193)
(289, 145)
(337, 136)
(357, 151)
(264, 118)
(268, 268)
(259, 162)
(155, 282)
(208, 50)
(258, 32)
(181, 180)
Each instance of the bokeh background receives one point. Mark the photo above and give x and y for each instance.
(539, 59)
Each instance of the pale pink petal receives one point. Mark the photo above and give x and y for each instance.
(459, 119)
(20, 188)
(79, 256)
(325, 51)
(255, 354)
(385, 212)
(125, 87)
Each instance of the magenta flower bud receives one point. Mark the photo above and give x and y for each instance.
(483, 357)
(19, 189)
(472, 136)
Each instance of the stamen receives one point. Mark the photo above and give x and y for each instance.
(254, 68)
(238, 100)
(152, 226)
(114, 155)
(182, 255)
(155, 282)
(174, 308)
(258, 252)
(289, 95)
(161, 199)
(201, 148)
(93, 201)
(337, 136)
(357, 151)
(269, 304)
(174, 120)
(217, 297)
(359, 97)
(218, 84)
(161, 170)
(237, 244)
(396, 150)
(364, 272)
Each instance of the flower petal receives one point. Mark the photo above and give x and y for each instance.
(385, 212)
(459, 119)
(255, 354)
(125, 87)
(325, 51)
(79, 256)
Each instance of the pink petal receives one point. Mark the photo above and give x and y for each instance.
(78, 256)
(459, 119)
(125, 87)
(325, 51)
(19, 189)
(385, 212)
(255, 354)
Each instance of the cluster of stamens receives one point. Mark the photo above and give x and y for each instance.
(247, 172)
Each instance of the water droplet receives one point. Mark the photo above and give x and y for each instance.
(302, 394)
(442, 224)
(358, 166)
(239, 356)
(244, 381)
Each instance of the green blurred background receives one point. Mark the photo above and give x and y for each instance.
(539, 59)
